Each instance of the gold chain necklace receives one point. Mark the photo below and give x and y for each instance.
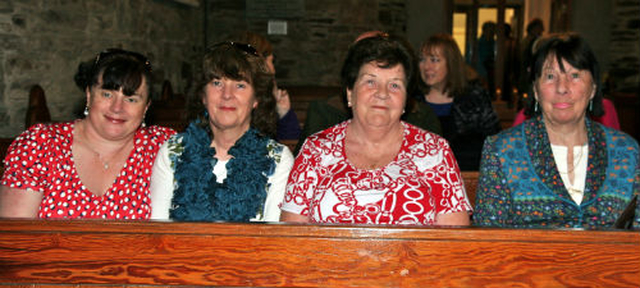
(575, 163)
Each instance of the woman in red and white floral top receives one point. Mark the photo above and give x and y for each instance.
(96, 167)
(374, 168)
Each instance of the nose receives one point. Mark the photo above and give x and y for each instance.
(227, 91)
(383, 92)
(562, 86)
(117, 104)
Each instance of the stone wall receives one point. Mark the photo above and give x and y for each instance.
(625, 46)
(43, 41)
(319, 32)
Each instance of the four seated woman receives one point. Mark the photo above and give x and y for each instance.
(96, 167)
(559, 168)
(375, 168)
(224, 167)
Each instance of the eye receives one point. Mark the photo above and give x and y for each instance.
(549, 76)
(575, 75)
(435, 59)
(396, 86)
(106, 94)
(132, 99)
(242, 85)
(216, 82)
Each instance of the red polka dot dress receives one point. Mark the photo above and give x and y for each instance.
(40, 159)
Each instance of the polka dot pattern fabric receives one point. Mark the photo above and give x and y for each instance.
(40, 159)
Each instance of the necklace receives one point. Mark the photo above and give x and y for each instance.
(102, 160)
(575, 162)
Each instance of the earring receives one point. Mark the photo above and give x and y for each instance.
(591, 105)
(86, 110)
(206, 114)
(535, 107)
(402, 111)
(348, 103)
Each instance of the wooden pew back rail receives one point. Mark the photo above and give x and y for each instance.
(90, 253)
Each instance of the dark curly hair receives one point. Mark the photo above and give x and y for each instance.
(573, 49)
(119, 69)
(238, 61)
(387, 51)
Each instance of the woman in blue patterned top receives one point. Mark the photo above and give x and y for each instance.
(559, 169)
(224, 167)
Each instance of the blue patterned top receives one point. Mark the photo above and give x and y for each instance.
(520, 185)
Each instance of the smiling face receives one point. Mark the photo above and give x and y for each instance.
(114, 115)
(229, 103)
(433, 68)
(563, 95)
(378, 95)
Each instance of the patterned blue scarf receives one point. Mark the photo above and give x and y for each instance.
(241, 196)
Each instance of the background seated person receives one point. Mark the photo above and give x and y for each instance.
(96, 167)
(224, 167)
(322, 114)
(463, 107)
(375, 168)
(288, 126)
(559, 168)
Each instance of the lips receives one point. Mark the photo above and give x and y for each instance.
(227, 108)
(562, 105)
(114, 120)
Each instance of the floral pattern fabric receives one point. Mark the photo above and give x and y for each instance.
(40, 159)
(420, 183)
(520, 185)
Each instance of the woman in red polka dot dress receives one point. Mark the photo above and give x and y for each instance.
(96, 167)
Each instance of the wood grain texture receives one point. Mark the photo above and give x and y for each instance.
(99, 254)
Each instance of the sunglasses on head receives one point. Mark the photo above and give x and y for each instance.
(246, 48)
(112, 52)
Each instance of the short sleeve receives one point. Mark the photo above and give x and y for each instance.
(278, 185)
(28, 159)
(302, 181)
(449, 191)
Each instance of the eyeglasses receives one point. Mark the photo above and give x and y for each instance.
(112, 52)
(246, 48)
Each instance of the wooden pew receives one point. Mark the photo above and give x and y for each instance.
(132, 254)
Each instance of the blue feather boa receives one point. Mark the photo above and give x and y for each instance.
(241, 196)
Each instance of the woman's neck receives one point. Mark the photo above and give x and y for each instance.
(224, 139)
(98, 143)
(375, 136)
(437, 95)
(568, 135)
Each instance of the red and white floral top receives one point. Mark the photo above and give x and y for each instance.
(421, 182)
(40, 159)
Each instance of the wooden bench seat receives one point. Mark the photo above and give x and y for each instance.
(133, 254)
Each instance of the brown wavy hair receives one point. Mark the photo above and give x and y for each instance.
(456, 80)
(239, 62)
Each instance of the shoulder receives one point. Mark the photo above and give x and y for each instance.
(330, 134)
(155, 134)
(418, 134)
(618, 139)
(472, 93)
(507, 138)
(279, 152)
(42, 133)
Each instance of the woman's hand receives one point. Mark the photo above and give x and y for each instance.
(293, 218)
(283, 104)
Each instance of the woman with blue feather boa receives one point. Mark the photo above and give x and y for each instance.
(224, 166)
